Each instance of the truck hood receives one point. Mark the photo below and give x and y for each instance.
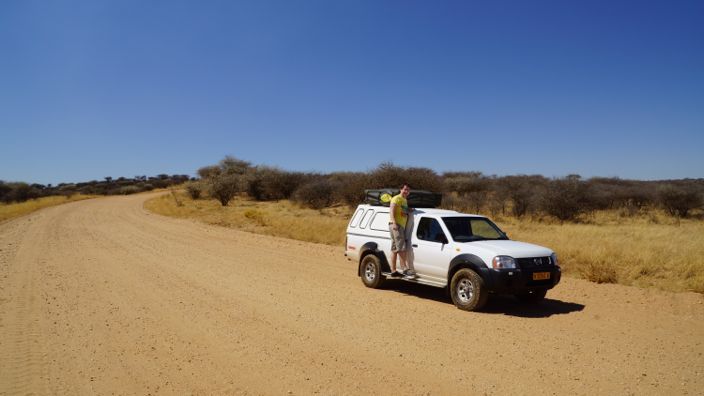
(512, 248)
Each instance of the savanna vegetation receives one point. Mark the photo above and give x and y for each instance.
(19, 198)
(607, 230)
(12, 210)
(17, 192)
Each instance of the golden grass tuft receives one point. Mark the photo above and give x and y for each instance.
(649, 250)
(598, 271)
(280, 218)
(10, 211)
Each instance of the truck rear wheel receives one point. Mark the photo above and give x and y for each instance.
(467, 290)
(370, 270)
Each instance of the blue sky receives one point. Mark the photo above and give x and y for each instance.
(90, 89)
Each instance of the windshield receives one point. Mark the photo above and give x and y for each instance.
(468, 229)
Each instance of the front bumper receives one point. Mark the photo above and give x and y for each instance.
(512, 281)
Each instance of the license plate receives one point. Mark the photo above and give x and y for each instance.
(541, 275)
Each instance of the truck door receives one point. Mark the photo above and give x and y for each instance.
(431, 253)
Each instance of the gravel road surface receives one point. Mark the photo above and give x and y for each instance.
(103, 297)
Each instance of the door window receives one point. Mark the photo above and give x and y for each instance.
(429, 230)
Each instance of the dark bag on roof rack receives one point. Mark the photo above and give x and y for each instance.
(416, 199)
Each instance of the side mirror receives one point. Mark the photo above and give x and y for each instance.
(441, 238)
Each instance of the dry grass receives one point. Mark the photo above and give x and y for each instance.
(10, 211)
(280, 218)
(651, 250)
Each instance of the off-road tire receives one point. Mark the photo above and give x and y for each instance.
(467, 290)
(531, 297)
(370, 271)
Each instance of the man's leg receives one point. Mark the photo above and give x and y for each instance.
(402, 255)
(393, 261)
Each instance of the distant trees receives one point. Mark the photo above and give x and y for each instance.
(316, 194)
(265, 183)
(233, 176)
(20, 192)
(350, 186)
(5, 190)
(466, 191)
(678, 201)
(565, 199)
(389, 175)
(523, 192)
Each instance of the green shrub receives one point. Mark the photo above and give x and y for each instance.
(566, 198)
(224, 187)
(194, 189)
(209, 172)
(349, 187)
(265, 183)
(19, 192)
(127, 190)
(471, 187)
(678, 201)
(4, 190)
(522, 190)
(233, 166)
(317, 194)
(389, 175)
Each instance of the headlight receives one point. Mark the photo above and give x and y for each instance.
(553, 258)
(503, 262)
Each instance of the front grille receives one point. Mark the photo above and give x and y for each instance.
(534, 262)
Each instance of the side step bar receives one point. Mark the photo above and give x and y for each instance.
(418, 279)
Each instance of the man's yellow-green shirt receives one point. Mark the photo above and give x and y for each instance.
(401, 210)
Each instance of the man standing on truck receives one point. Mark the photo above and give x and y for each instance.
(398, 214)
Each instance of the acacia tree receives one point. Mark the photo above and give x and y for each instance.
(388, 175)
(266, 183)
(678, 201)
(226, 179)
(566, 198)
(522, 191)
(224, 187)
(316, 194)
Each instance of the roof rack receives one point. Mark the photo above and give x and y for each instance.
(416, 199)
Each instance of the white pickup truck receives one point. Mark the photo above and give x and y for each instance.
(468, 254)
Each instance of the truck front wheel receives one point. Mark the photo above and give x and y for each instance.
(467, 290)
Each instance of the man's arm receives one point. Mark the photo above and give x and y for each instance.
(392, 208)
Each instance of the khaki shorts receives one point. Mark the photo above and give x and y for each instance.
(398, 238)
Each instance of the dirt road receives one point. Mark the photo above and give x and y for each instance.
(102, 297)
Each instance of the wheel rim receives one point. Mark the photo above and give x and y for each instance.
(465, 290)
(370, 272)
